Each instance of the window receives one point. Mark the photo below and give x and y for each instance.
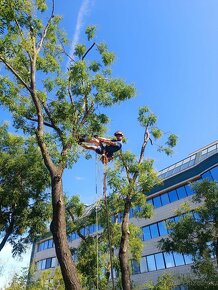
(159, 261)
(181, 192)
(188, 259)
(151, 263)
(189, 189)
(135, 267)
(162, 228)
(207, 175)
(48, 263)
(179, 260)
(154, 231)
(169, 260)
(50, 244)
(143, 265)
(45, 245)
(165, 198)
(157, 202)
(150, 201)
(146, 233)
(53, 262)
(173, 196)
(214, 172)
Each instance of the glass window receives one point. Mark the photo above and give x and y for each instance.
(50, 243)
(100, 227)
(196, 216)
(159, 261)
(157, 201)
(146, 233)
(149, 201)
(48, 263)
(94, 228)
(188, 259)
(177, 218)
(169, 261)
(189, 189)
(39, 265)
(43, 262)
(191, 162)
(135, 267)
(162, 228)
(154, 231)
(179, 260)
(120, 218)
(82, 231)
(53, 260)
(173, 196)
(165, 198)
(151, 263)
(214, 173)
(131, 213)
(181, 192)
(143, 265)
(207, 175)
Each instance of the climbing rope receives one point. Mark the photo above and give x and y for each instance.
(108, 223)
(104, 194)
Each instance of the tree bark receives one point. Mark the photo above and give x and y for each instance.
(58, 229)
(8, 232)
(123, 251)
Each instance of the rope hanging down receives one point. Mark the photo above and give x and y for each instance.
(108, 223)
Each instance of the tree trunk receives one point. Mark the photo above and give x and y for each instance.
(58, 229)
(8, 232)
(123, 251)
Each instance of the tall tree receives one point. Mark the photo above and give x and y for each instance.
(54, 104)
(24, 204)
(197, 234)
(93, 253)
(129, 181)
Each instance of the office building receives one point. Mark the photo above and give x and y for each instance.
(166, 199)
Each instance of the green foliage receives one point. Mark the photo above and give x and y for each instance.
(197, 236)
(47, 280)
(25, 209)
(68, 100)
(164, 282)
(90, 31)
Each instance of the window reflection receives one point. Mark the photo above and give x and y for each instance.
(159, 261)
(154, 231)
(173, 196)
(165, 198)
(169, 260)
(151, 263)
(157, 202)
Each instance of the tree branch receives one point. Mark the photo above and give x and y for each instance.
(8, 232)
(46, 29)
(15, 73)
(88, 51)
(53, 125)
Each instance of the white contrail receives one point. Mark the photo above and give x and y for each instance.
(82, 12)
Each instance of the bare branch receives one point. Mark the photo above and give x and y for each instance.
(67, 54)
(53, 125)
(87, 112)
(88, 51)
(15, 73)
(36, 120)
(46, 29)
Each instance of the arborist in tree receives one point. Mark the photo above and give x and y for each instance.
(104, 146)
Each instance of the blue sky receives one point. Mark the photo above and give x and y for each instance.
(168, 50)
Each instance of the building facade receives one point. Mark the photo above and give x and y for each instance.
(166, 199)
